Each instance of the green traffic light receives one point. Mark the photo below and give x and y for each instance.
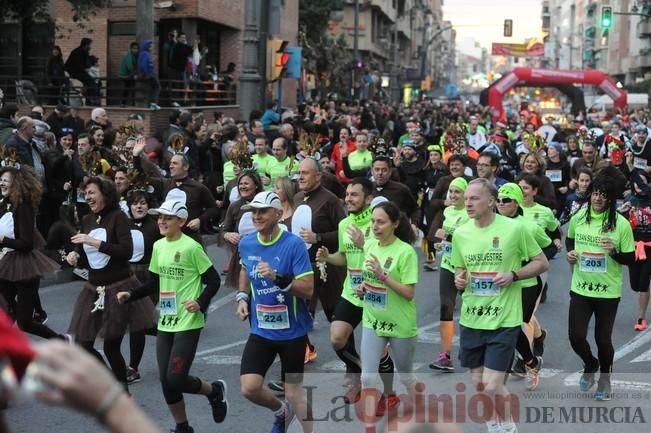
(605, 22)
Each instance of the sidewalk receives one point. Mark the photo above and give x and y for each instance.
(65, 275)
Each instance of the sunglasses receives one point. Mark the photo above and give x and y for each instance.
(600, 194)
(504, 200)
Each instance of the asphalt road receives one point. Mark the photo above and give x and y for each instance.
(223, 340)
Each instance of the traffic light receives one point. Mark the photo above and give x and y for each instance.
(606, 17)
(277, 59)
(508, 28)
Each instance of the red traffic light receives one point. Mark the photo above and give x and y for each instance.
(282, 59)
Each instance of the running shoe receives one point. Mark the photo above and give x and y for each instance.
(533, 378)
(385, 403)
(133, 376)
(539, 344)
(310, 353)
(218, 400)
(587, 379)
(40, 317)
(518, 369)
(493, 426)
(640, 325)
(276, 386)
(603, 391)
(282, 422)
(443, 363)
(353, 394)
(430, 267)
(178, 430)
(508, 427)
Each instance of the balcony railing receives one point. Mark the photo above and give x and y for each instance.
(116, 92)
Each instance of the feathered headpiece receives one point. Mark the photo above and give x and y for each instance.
(9, 158)
(177, 144)
(138, 181)
(378, 146)
(91, 163)
(535, 142)
(455, 137)
(309, 144)
(241, 155)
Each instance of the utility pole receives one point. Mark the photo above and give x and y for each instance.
(355, 50)
(251, 80)
(144, 20)
(394, 87)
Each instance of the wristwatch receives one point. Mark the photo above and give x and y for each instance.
(515, 276)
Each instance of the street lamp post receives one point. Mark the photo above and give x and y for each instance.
(354, 74)
(394, 88)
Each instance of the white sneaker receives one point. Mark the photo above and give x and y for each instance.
(508, 427)
(533, 377)
(493, 426)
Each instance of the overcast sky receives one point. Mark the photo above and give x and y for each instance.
(485, 19)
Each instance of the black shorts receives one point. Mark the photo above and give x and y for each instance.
(346, 311)
(640, 272)
(488, 348)
(259, 354)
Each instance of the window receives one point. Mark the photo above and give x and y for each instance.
(122, 28)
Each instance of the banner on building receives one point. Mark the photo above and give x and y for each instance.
(518, 50)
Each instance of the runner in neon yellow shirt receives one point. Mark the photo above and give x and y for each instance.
(179, 268)
(487, 254)
(354, 231)
(261, 160)
(454, 216)
(390, 277)
(599, 241)
(281, 165)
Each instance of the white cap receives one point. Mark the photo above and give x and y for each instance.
(171, 208)
(264, 200)
(377, 200)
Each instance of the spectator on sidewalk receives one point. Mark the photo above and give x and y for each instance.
(129, 73)
(146, 72)
(7, 121)
(56, 75)
(77, 66)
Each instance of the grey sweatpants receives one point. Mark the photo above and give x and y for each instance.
(402, 352)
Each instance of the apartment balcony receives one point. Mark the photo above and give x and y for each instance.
(643, 60)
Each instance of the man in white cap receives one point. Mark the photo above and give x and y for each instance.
(276, 283)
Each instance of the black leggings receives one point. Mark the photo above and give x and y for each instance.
(529, 297)
(113, 355)
(175, 353)
(25, 294)
(581, 310)
(448, 295)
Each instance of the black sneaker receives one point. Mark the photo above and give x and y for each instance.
(539, 344)
(277, 386)
(218, 401)
(518, 369)
(179, 430)
(40, 317)
(133, 376)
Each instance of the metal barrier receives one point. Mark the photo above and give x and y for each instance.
(115, 92)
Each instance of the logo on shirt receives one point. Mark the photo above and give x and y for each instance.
(368, 232)
(280, 298)
(387, 263)
(536, 215)
(496, 242)
(177, 257)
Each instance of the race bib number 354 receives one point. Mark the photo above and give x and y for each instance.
(376, 297)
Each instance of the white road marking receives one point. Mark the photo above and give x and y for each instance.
(223, 347)
(229, 298)
(633, 344)
(645, 357)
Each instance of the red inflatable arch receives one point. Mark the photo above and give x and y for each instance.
(545, 77)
